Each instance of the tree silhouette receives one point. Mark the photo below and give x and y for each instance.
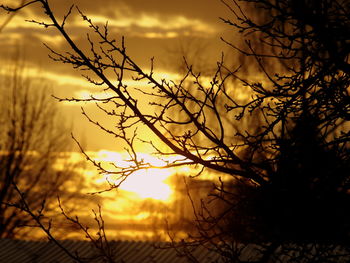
(288, 171)
(31, 143)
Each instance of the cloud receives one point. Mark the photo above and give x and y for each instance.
(152, 25)
(154, 18)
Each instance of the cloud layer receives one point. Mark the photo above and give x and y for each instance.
(151, 29)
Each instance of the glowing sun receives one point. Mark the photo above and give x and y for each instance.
(145, 183)
(149, 183)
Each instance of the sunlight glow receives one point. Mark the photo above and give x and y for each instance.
(149, 184)
(146, 183)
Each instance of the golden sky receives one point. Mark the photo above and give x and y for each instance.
(155, 28)
(152, 28)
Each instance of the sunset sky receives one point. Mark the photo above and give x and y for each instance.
(156, 28)
(165, 30)
(214, 123)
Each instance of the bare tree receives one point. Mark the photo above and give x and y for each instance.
(288, 177)
(32, 143)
